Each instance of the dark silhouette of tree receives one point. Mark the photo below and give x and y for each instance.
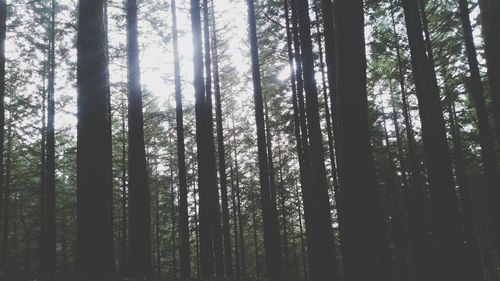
(447, 224)
(184, 251)
(272, 247)
(94, 179)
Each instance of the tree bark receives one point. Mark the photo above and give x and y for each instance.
(272, 247)
(228, 260)
(362, 248)
(94, 167)
(184, 251)
(139, 194)
(488, 155)
(203, 154)
(447, 223)
(490, 24)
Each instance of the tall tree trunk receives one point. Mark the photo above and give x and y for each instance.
(302, 243)
(94, 166)
(184, 252)
(475, 86)
(272, 247)
(329, 128)
(270, 157)
(447, 223)
(139, 197)
(490, 24)
(474, 257)
(258, 270)
(355, 153)
(3, 31)
(419, 225)
(216, 226)
(48, 248)
(203, 154)
(228, 260)
(43, 162)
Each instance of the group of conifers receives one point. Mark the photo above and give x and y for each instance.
(363, 238)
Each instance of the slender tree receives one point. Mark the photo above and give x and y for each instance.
(323, 261)
(447, 224)
(139, 205)
(184, 252)
(485, 134)
(212, 167)
(48, 238)
(94, 169)
(490, 24)
(354, 150)
(3, 30)
(272, 247)
(203, 154)
(228, 260)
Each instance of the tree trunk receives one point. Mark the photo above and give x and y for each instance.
(94, 166)
(216, 226)
(488, 155)
(203, 154)
(362, 248)
(3, 29)
(272, 246)
(48, 241)
(490, 24)
(417, 212)
(139, 197)
(447, 223)
(228, 260)
(184, 252)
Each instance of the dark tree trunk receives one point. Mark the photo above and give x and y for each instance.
(474, 257)
(490, 24)
(272, 247)
(94, 167)
(485, 136)
(362, 248)
(216, 226)
(417, 212)
(3, 29)
(139, 201)
(228, 260)
(447, 224)
(184, 252)
(325, 89)
(203, 154)
(258, 270)
(43, 162)
(48, 239)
